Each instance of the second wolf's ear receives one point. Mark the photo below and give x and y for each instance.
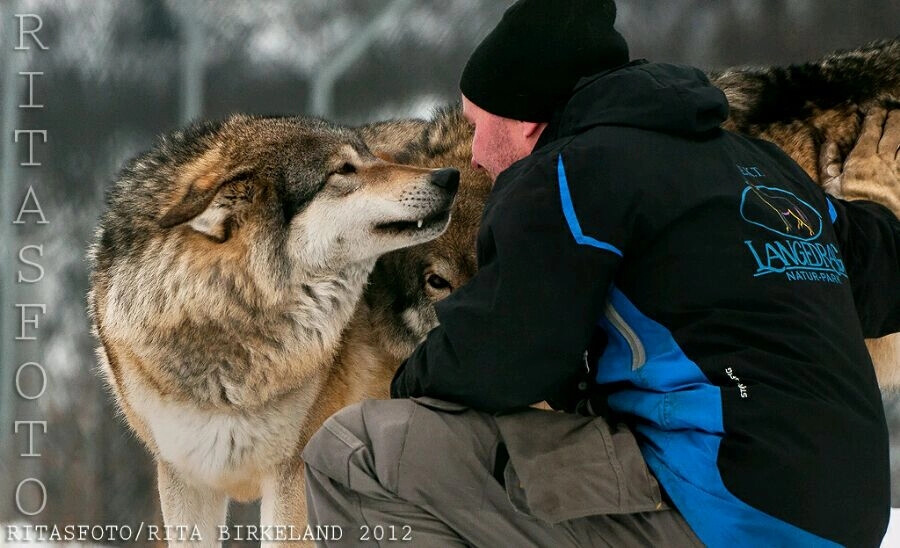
(197, 186)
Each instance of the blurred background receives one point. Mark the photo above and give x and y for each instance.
(119, 72)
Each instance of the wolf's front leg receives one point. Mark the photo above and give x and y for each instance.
(193, 509)
(284, 502)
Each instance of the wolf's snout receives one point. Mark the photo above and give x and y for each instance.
(447, 179)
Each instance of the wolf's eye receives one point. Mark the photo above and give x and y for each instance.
(346, 169)
(437, 282)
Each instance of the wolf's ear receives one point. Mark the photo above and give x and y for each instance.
(197, 185)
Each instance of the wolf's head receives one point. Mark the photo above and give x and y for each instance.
(407, 283)
(315, 185)
(289, 196)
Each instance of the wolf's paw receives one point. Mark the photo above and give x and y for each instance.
(831, 168)
(872, 169)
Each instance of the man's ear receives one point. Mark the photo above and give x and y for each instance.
(533, 130)
(196, 187)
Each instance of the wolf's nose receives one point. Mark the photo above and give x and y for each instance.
(448, 179)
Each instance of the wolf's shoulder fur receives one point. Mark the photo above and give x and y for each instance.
(813, 108)
(759, 96)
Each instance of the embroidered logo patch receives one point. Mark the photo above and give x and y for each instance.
(781, 212)
(796, 252)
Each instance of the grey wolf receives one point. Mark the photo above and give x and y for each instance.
(448, 346)
(225, 270)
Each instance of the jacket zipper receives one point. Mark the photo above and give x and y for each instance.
(638, 353)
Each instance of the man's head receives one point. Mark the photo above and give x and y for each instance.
(498, 142)
(527, 67)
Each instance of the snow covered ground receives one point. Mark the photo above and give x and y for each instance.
(892, 538)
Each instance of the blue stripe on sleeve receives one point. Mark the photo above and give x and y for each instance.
(572, 219)
(831, 211)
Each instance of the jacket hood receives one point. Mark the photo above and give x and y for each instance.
(654, 96)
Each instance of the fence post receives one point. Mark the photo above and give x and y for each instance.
(192, 65)
(324, 80)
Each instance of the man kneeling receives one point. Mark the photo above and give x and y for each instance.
(688, 295)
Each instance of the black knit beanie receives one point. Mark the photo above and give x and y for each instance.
(529, 64)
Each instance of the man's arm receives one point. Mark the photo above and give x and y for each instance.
(516, 333)
(869, 236)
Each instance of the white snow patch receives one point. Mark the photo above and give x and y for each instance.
(892, 538)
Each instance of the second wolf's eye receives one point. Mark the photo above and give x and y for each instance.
(437, 282)
(346, 169)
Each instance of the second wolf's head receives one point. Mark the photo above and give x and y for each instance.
(229, 236)
(407, 283)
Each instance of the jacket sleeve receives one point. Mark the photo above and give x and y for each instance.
(869, 236)
(516, 333)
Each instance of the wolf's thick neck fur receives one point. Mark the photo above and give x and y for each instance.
(271, 333)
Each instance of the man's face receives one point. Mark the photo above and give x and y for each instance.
(499, 142)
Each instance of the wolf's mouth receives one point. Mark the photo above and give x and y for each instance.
(426, 223)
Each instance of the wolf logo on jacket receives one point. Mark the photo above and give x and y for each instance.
(797, 253)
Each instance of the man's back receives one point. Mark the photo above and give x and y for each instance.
(732, 339)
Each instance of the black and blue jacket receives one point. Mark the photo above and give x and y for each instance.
(718, 297)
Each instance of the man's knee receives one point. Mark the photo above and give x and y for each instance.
(363, 438)
(421, 451)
